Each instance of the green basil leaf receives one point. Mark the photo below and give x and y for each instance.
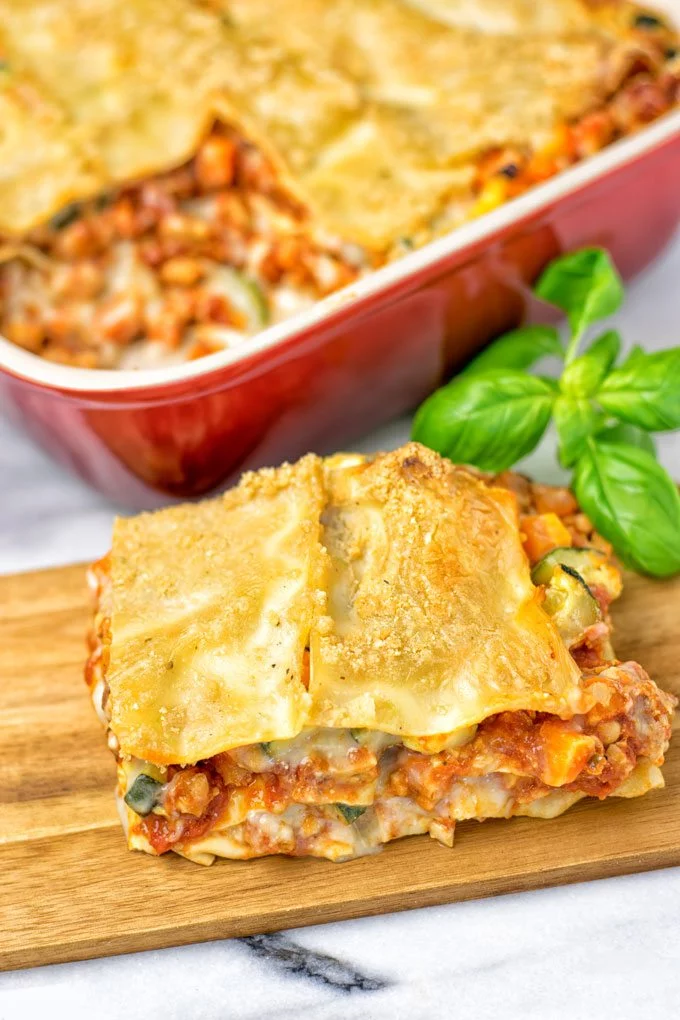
(635, 353)
(630, 434)
(585, 284)
(575, 419)
(519, 349)
(633, 502)
(645, 390)
(586, 373)
(490, 420)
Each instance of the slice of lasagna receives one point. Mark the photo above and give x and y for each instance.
(206, 167)
(340, 652)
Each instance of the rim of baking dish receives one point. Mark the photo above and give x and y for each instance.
(33, 368)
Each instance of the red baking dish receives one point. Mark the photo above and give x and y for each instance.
(354, 360)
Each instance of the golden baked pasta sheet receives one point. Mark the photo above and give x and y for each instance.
(373, 112)
(336, 653)
(212, 608)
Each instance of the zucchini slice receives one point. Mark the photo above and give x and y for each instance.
(143, 795)
(350, 812)
(594, 566)
(244, 293)
(570, 602)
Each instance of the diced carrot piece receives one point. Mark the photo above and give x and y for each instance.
(558, 144)
(305, 669)
(216, 163)
(543, 532)
(181, 271)
(565, 752)
(554, 499)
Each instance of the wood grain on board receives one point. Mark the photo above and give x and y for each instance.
(70, 890)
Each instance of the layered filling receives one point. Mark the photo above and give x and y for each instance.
(340, 793)
(651, 88)
(169, 269)
(195, 260)
(571, 562)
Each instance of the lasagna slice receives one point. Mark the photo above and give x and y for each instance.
(207, 167)
(340, 652)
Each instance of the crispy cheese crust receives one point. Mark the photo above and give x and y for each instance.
(301, 150)
(339, 653)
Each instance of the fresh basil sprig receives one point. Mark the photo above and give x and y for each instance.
(494, 413)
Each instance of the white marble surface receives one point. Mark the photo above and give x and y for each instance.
(610, 947)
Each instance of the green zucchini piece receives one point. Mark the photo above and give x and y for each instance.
(255, 303)
(66, 216)
(143, 795)
(570, 602)
(593, 565)
(350, 812)
(244, 293)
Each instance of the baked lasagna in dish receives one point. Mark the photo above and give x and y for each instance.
(176, 174)
(340, 652)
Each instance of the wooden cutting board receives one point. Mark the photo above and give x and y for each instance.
(70, 890)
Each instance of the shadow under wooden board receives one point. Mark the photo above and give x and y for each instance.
(70, 889)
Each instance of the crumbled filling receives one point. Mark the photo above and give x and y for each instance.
(339, 793)
(551, 518)
(646, 94)
(180, 265)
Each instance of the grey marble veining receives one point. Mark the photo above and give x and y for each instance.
(609, 948)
